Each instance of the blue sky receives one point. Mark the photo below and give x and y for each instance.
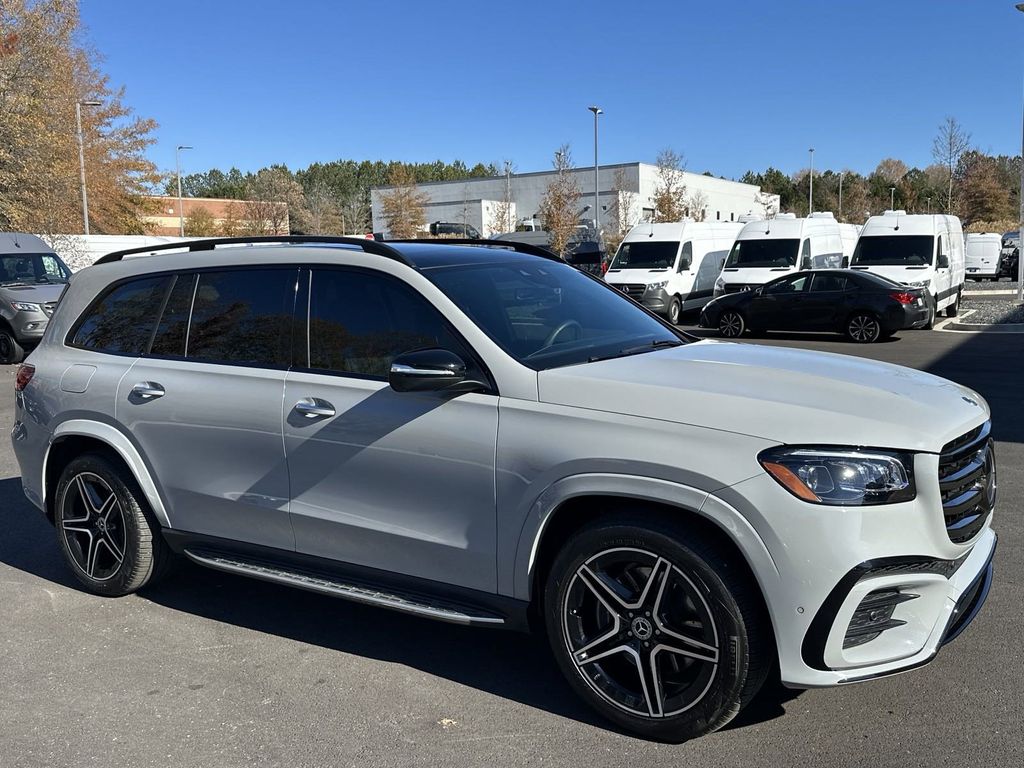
(731, 85)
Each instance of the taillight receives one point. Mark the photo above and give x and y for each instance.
(903, 297)
(25, 374)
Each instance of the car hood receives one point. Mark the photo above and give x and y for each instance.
(644, 276)
(780, 394)
(38, 293)
(900, 274)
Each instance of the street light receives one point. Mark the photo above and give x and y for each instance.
(929, 204)
(841, 195)
(892, 198)
(810, 190)
(81, 157)
(181, 215)
(1020, 230)
(597, 207)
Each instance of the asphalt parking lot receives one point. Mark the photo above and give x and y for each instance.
(207, 669)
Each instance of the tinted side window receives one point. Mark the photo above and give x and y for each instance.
(243, 316)
(829, 283)
(789, 285)
(172, 331)
(123, 319)
(359, 322)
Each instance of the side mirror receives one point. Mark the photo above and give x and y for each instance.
(805, 263)
(684, 265)
(426, 370)
(943, 261)
(846, 262)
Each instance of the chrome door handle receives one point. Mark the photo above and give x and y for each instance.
(148, 390)
(314, 407)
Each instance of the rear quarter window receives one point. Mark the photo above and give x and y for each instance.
(123, 319)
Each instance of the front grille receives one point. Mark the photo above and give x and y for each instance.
(737, 287)
(633, 290)
(967, 483)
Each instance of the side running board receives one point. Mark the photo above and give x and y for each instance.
(407, 602)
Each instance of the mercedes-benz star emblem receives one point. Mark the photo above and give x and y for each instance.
(642, 628)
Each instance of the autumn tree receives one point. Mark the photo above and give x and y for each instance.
(404, 205)
(983, 197)
(503, 213)
(561, 202)
(669, 200)
(948, 147)
(697, 205)
(274, 202)
(231, 223)
(620, 213)
(323, 214)
(44, 72)
(200, 222)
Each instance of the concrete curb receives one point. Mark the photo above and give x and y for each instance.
(979, 328)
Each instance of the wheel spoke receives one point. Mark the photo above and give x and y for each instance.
(91, 506)
(108, 506)
(602, 590)
(699, 650)
(704, 652)
(662, 567)
(107, 542)
(650, 682)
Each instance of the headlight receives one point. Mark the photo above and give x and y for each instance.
(842, 477)
(657, 286)
(24, 306)
(919, 284)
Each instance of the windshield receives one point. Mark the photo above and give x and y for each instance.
(894, 250)
(547, 315)
(645, 255)
(32, 268)
(764, 253)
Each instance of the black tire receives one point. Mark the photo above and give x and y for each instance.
(11, 352)
(731, 324)
(115, 519)
(727, 650)
(954, 309)
(930, 323)
(863, 328)
(675, 310)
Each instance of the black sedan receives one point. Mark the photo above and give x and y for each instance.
(863, 306)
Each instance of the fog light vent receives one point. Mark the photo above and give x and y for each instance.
(874, 615)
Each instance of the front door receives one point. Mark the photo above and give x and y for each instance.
(942, 290)
(397, 481)
(779, 305)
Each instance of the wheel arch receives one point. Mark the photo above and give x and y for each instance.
(74, 437)
(574, 502)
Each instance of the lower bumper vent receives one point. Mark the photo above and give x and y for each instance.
(874, 615)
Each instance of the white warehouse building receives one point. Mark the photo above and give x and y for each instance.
(474, 201)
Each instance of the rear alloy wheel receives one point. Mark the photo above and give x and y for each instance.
(658, 635)
(675, 310)
(11, 351)
(731, 324)
(863, 329)
(106, 535)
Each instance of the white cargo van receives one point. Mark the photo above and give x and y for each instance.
(921, 250)
(765, 250)
(671, 267)
(849, 234)
(981, 255)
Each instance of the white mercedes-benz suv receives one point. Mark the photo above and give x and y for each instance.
(485, 435)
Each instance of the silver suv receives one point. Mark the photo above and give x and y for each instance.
(485, 435)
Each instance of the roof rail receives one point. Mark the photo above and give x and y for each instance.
(368, 246)
(510, 245)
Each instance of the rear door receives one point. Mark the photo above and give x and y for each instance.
(204, 405)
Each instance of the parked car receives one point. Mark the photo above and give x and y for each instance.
(920, 251)
(671, 267)
(982, 255)
(863, 306)
(765, 250)
(583, 251)
(32, 279)
(493, 438)
(453, 229)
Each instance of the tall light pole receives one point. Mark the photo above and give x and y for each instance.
(597, 206)
(1020, 231)
(840, 195)
(508, 196)
(81, 158)
(892, 198)
(810, 190)
(181, 214)
(929, 204)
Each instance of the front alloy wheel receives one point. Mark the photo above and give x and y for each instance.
(731, 324)
(675, 311)
(640, 633)
(656, 628)
(864, 329)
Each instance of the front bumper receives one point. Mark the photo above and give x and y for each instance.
(656, 300)
(29, 327)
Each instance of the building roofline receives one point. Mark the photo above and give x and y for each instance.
(581, 168)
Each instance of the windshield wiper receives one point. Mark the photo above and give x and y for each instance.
(658, 344)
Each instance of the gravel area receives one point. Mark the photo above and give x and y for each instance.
(992, 312)
(1002, 285)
